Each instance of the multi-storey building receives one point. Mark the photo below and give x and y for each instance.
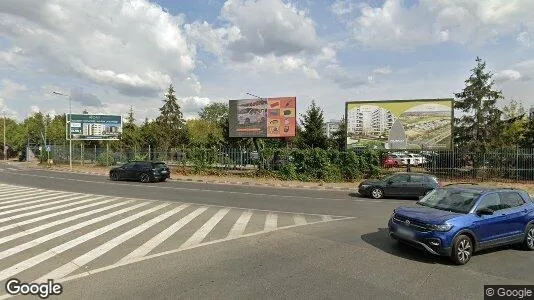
(93, 129)
(369, 120)
(330, 128)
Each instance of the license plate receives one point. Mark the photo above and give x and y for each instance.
(405, 233)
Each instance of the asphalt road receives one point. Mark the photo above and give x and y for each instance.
(174, 240)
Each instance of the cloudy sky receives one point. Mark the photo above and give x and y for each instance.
(110, 54)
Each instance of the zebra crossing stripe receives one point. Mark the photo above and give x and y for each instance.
(55, 207)
(271, 222)
(49, 225)
(162, 236)
(13, 190)
(241, 223)
(299, 220)
(40, 198)
(106, 247)
(38, 205)
(200, 234)
(38, 241)
(12, 196)
(15, 225)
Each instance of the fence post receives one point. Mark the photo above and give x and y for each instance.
(148, 153)
(107, 153)
(516, 163)
(81, 152)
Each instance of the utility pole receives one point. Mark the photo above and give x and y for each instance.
(68, 127)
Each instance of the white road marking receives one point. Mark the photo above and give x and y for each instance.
(162, 236)
(200, 234)
(15, 225)
(66, 220)
(12, 190)
(106, 247)
(38, 241)
(299, 220)
(271, 221)
(55, 207)
(16, 196)
(24, 265)
(240, 224)
(326, 218)
(40, 198)
(7, 212)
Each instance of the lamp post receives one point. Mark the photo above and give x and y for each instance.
(68, 122)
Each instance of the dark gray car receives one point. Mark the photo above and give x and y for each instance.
(403, 184)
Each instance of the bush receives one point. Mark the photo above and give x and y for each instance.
(288, 171)
(106, 159)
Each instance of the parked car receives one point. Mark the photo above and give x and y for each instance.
(142, 171)
(404, 184)
(392, 161)
(459, 220)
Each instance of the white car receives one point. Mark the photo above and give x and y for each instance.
(249, 116)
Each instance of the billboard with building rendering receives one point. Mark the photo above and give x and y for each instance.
(94, 127)
(265, 117)
(400, 124)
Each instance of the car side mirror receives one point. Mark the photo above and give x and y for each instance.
(485, 211)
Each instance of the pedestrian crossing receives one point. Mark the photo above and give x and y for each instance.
(46, 234)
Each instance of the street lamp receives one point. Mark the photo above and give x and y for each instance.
(70, 133)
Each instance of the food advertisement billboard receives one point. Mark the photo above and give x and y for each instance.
(265, 117)
(400, 124)
(94, 127)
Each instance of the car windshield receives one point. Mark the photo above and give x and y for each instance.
(459, 201)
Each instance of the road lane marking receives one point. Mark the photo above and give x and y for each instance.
(11, 196)
(299, 220)
(38, 241)
(39, 205)
(271, 222)
(239, 226)
(326, 218)
(162, 236)
(200, 234)
(24, 265)
(35, 199)
(11, 190)
(56, 207)
(49, 225)
(144, 258)
(18, 224)
(106, 247)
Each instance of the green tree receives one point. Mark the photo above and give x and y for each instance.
(130, 131)
(527, 140)
(339, 137)
(313, 134)
(480, 126)
(170, 122)
(514, 124)
(215, 112)
(204, 133)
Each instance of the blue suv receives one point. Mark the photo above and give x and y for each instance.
(457, 220)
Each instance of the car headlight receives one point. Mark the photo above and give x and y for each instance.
(441, 227)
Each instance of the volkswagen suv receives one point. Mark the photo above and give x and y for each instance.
(458, 220)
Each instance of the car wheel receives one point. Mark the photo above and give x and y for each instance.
(144, 178)
(377, 193)
(462, 249)
(162, 179)
(114, 177)
(529, 238)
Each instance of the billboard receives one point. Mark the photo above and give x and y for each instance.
(265, 117)
(94, 127)
(400, 124)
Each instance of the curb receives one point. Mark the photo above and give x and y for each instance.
(222, 182)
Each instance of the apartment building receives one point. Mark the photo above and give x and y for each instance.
(369, 120)
(331, 127)
(93, 129)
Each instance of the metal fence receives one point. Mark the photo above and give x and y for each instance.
(510, 165)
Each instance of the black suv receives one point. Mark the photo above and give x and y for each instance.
(143, 171)
(402, 184)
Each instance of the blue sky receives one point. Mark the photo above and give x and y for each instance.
(113, 54)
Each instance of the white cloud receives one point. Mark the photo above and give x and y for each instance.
(10, 88)
(507, 75)
(382, 71)
(394, 26)
(343, 7)
(133, 46)
(34, 109)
